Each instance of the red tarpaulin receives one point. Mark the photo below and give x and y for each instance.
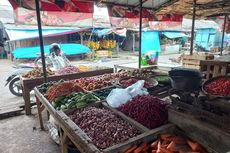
(54, 12)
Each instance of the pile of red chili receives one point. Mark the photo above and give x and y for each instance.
(219, 87)
(148, 110)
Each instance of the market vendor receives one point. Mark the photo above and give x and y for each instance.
(58, 57)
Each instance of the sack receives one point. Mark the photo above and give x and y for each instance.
(118, 97)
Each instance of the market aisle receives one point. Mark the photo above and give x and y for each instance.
(19, 135)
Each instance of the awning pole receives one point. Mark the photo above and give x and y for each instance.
(140, 33)
(41, 40)
(222, 41)
(193, 26)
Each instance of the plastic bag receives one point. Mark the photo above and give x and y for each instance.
(117, 97)
(53, 130)
(137, 89)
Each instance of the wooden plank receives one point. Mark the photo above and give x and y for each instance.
(192, 62)
(14, 111)
(207, 135)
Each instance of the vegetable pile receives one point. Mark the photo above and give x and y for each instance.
(74, 100)
(68, 70)
(103, 126)
(162, 78)
(168, 143)
(37, 72)
(148, 110)
(220, 87)
(62, 89)
(128, 82)
(103, 93)
(98, 82)
(45, 86)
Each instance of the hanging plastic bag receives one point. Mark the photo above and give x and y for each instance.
(117, 97)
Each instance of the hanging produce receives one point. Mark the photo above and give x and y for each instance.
(168, 143)
(93, 45)
(107, 44)
(103, 126)
(148, 110)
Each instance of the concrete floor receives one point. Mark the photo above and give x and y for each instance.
(17, 134)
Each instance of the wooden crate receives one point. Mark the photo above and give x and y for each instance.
(193, 61)
(213, 68)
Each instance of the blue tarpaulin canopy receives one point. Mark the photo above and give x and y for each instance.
(21, 34)
(31, 52)
(172, 35)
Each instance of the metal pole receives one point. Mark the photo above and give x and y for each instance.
(140, 34)
(222, 41)
(41, 39)
(133, 41)
(193, 26)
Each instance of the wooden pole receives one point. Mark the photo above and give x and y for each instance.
(222, 41)
(140, 34)
(193, 26)
(41, 40)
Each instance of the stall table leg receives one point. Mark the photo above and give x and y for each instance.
(40, 109)
(26, 96)
(64, 141)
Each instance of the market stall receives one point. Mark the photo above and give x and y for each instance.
(30, 81)
(153, 124)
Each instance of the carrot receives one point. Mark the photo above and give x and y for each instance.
(171, 146)
(162, 150)
(179, 140)
(154, 144)
(132, 148)
(158, 147)
(140, 148)
(193, 145)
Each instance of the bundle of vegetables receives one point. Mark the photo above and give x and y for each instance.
(45, 86)
(103, 126)
(103, 93)
(148, 110)
(168, 143)
(107, 44)
(220, 87)
(74, 100)
(62, 89)
(93, 45)
(162, 78)
(68, 70)
(37, 72)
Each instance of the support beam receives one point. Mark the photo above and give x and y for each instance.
(193, 27)
(41, 40)
(140, 34)
(222, 40)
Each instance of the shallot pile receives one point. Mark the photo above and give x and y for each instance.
(103, 127)
(148, 110)
(68, 70)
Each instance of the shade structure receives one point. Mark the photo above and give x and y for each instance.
(33, 52)
(173, 35)
(22, 34)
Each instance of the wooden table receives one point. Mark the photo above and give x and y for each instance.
(29, 84)
(203, 133)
